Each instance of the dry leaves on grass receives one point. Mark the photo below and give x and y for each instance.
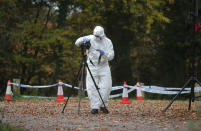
(47, 114)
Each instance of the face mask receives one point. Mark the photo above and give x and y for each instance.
(98, 37)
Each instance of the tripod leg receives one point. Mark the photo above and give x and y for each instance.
(74, 82)
(95, 84)
(192, 95)
(81, 86)
(178, 94)
(190, 99)
(197, 81)
(193, 89)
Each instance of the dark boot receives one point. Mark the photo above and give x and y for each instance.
(94, 111)
(104, 110)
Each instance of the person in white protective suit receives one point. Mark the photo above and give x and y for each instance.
(100, 52)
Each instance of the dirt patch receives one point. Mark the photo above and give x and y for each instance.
(139, 116)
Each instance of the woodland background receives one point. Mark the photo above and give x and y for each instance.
(152, 40)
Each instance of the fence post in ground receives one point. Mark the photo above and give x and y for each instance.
(142, 84)
(16, 89)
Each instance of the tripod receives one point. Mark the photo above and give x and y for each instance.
(82, 70)
(193, 79)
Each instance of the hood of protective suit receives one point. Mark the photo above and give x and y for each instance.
(99, 31)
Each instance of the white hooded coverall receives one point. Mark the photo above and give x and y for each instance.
(100, 70)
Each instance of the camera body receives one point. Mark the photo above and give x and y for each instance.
(86, 45)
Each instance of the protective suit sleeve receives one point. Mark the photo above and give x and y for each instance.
(109, 53)
(79, 41)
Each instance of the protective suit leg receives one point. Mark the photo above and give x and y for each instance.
(105, 85)
(92, 92)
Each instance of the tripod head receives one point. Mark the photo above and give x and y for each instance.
(197, 27)
(86, 45)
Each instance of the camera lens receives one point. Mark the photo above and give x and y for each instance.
(86, 45)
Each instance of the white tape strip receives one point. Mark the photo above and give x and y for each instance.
(163, 92)
(150, 89)
(29, 86)
(117, 88)
(120, 94)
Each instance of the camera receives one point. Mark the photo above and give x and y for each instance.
(86, 45)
